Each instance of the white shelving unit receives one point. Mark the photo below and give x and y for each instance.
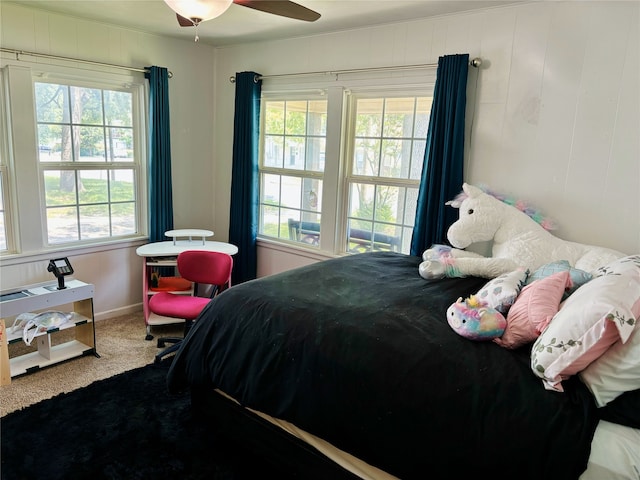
(44, 297)
(151, 318)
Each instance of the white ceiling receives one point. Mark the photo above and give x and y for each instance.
(241, 24)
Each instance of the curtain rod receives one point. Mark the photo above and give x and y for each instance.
(476, 62)
(69, 59)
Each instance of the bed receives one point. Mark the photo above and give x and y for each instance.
(348, 369)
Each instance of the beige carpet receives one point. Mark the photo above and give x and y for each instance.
(119, 342)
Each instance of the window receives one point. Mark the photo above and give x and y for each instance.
(73, 175)
(86, 159)
(293, 156)
(387, 152)
(340, 171)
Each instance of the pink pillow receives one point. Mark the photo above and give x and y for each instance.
(534, 308)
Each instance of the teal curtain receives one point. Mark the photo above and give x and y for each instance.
(442, 171)
(159, 167)
(243, 221)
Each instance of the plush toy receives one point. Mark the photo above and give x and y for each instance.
(520, 240)
(474, 320)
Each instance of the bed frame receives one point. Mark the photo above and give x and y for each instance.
(286, 452)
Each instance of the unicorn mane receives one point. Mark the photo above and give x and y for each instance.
(545, 222)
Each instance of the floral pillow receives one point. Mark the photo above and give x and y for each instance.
(598, 314)
(621, 266)
(534, 308)
(501, 292)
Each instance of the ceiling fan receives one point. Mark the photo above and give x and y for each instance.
(191, 13)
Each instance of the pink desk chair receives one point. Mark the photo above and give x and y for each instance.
(202, 268)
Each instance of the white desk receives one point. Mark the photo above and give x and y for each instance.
(164, 254)
(173, 248)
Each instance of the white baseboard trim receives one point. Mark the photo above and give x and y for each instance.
(116, 312)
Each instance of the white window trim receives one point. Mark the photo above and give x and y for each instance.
(337, 88)
(8, 186)
(30, 236)
(348, 178)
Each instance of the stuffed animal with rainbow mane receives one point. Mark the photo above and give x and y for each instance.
(474, 320)
(520, 236)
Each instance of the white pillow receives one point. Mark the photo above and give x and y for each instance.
(594, 317)
(616, 371)
(501, 292)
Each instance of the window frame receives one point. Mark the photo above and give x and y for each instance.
(284, 171)
(351, 178)
(7, 190)
(25, 169)
(339, 90)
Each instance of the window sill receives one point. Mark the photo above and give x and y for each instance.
(19, 258)
(294, 249)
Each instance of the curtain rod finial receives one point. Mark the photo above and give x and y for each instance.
(256, 79)
(476, 62)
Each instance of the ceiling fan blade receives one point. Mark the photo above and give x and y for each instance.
(282, 8)
(183, 21)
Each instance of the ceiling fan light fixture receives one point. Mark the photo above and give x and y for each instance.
(199, 10)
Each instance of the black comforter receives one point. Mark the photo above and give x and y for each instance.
(357, 350)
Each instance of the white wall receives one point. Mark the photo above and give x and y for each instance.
(116, 272)
(555, 117)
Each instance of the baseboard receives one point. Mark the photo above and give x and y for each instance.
(117, 312)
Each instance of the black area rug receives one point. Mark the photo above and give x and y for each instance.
(125, 427)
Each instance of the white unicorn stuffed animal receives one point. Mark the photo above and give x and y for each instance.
(518, 242)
